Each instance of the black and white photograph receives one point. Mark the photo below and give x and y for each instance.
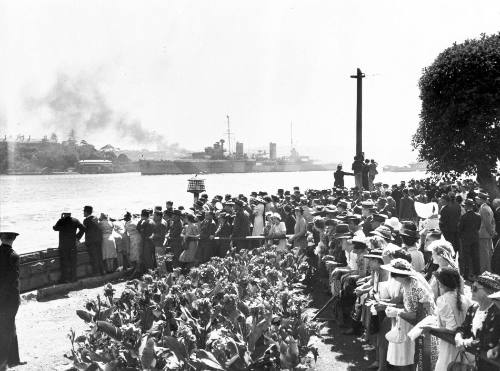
(236, 185)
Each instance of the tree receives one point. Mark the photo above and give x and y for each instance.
(53, 138)
(459, 129)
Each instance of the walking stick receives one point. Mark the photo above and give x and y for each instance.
(323, 308)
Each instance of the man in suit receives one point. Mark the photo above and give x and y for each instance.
(339, 177)
(486, 232)
(468, 230)
(67, 227)
(93, 240)
(241, 225)
(450, 217)
(9, 301)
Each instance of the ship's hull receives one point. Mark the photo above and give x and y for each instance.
(154, 167)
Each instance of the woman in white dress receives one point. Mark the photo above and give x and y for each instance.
(258, 221)
(415, 290)
(451, 309)
(108, 242)
(134, 240)
(278, 229)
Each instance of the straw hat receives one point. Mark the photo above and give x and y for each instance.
(374, 254)
(399, 266)
(393, 223)
(384, 232)
(489, 280)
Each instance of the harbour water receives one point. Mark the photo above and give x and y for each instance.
(31, 204)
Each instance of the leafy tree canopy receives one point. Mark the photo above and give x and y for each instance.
(459, 130)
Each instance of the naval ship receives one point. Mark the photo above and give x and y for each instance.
(215, 160)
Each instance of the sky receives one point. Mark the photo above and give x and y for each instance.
(119, 70)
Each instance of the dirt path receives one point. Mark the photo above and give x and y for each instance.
(42, 329)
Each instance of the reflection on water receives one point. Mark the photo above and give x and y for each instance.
(32, 204)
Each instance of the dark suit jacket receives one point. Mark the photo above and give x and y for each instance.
(9, 279)
(67, 228)
(93, 235)
(469, 226)
(450, 217)
(241, 224)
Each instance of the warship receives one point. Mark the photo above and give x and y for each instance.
(215, 160)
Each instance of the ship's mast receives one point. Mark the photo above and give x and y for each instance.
(228, 135)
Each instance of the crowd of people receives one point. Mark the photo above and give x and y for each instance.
(384, 253)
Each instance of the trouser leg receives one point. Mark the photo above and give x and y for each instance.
(72, 264)
(7, 335)
(64, 261)
(485, 253)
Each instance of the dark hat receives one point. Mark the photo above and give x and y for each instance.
(88, 209)
(199, 203)
(482, 195)
(158, 208)
(267, 199)
(145, 212)
(408, 233)
(181, 208)
(9, 235)
(239, 203)
(169, 203)
(287, 193)
(204, 195)
(353, 217)
(374, 254)
(296, 188)
(227, 197)
(379, 217)
(253, 194)
(342, 231)
(434, 233)
(342, 203)
(469, 202)
(489, 280)
(384, 232)
(280, 190)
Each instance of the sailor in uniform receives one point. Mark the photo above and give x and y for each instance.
(9, 301)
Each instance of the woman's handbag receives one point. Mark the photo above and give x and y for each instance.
(461, 365)
(395, 334)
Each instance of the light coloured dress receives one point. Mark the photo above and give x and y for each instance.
(278, 230)
(449, 317)
(135, 240)
(108, 240)
(191, 244)
(398, 354)
(258, 221)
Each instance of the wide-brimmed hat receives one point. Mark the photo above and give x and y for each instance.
(359, 242)
(384, 232)
(399, 266)
(495, 296)
(393, 223)
(374, 254)
(489, 280)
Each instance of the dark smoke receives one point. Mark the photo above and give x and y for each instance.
(76, 103)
